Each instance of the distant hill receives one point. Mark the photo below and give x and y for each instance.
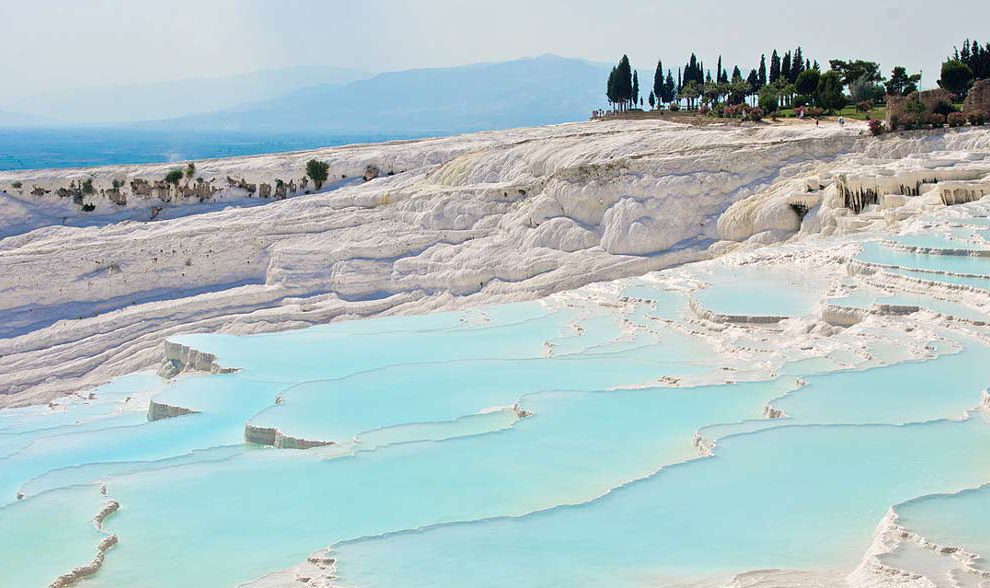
(142, 102)
(542, 90)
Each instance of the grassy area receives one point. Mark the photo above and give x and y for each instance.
(849, 112)
(878, 112)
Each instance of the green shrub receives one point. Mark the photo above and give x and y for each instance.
(956, 119)
(807, 82)
(88, 207)
(936, 120)
(317, 171)
(173, 177)
(944, 108)
(829, 92)
(956, 77)
(117, 184)
(16, 185)
(977, 119)
(768, 100)
(190, 169)
(916, 109)
(87, 186)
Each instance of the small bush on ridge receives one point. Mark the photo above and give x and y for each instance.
(317, 171)
(173, 177)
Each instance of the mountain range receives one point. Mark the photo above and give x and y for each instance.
(115, 105)
(541, 90)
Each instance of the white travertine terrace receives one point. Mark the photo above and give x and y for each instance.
(479, 218)
(483, 218)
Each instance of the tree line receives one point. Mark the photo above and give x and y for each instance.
(790, 79)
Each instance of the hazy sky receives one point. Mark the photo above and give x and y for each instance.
(50, 44)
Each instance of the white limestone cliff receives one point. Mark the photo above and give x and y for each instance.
(474, 219)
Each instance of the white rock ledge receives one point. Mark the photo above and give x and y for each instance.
(275, 438)
(711, 315)
(82, 572)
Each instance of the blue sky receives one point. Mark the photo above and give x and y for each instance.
(57, 44)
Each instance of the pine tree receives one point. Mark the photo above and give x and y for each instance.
(901, 83)
(774, 67)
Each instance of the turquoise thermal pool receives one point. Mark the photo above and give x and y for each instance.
(614, 438)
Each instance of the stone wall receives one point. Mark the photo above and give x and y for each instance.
(978, 98)
(897, 105)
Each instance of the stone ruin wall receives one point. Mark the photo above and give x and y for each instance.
(978, 98)
(897, 105)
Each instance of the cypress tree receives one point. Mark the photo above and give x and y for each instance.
(623, 82)
(774, 67)
(761, 75)
(669, 89)
(797, 64)
(785, 67)
(680, 82)
(635, 90)
(658, 83)
(976, 57)
(754, 82)
(610, 88)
